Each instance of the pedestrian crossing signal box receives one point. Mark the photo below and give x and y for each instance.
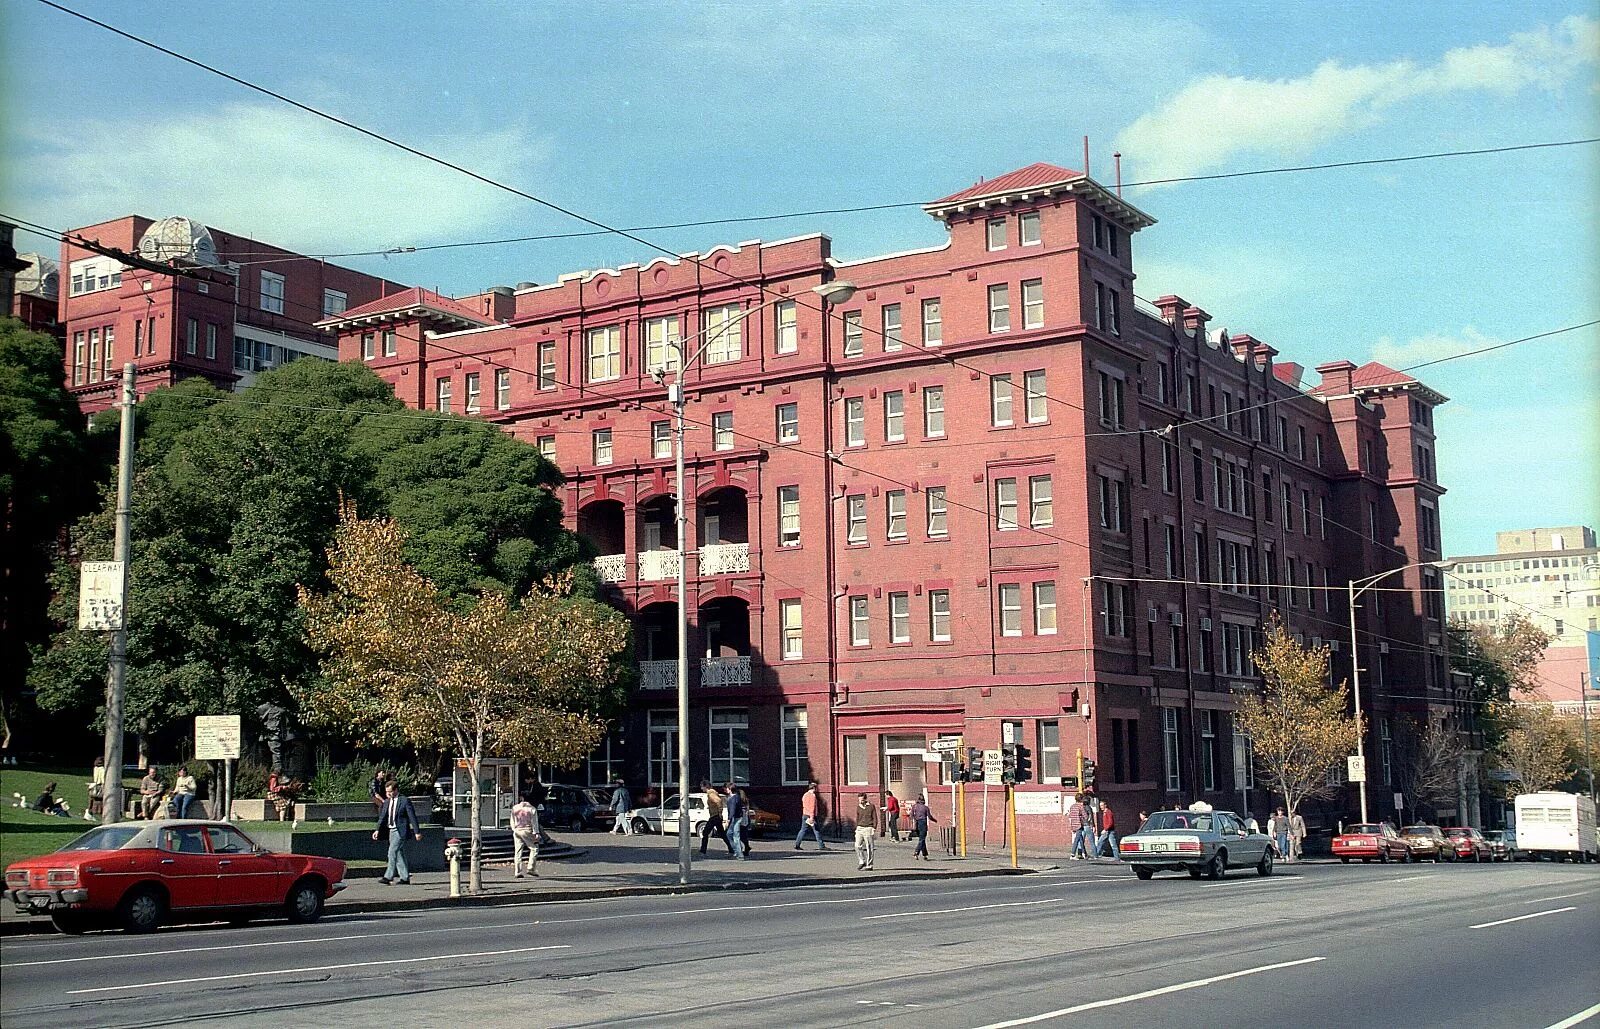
(1069, 780)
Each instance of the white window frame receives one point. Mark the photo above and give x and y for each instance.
(443, 394)
(663, 343)
(788, 419)
(1009, 595)
(939, 616)
(932, 322)
(1041, 502)
(601, 446)
(860, 621)
(724, 333)
(1028, 229)
(211, 343)
(1001, 401)
(547, 368)
(894, 416)
(369, 346)
(722, 434)
(853, 339)
(933, 412)
(660, 440)
(994, 234)
(855, 512)
(1035, 403)
(855, 421)
(390, 348)
(1005, 505)
(273, 288)
(899, 617)
(191, 339)
(502, 389)
(938, 508)
(334, 301)
(1033, 303)
(893, 328)
(796, 746)
(788, 516)
(474, 392)
(999, 308)
(725, 726)
(894, 514)
(786, 328)
(791, 629)
(1044, 609)
(603, 348)
(1171, 753)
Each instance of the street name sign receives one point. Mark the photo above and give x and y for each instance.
(216, 737)
(100, 596)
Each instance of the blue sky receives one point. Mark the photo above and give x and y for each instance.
(646, 114)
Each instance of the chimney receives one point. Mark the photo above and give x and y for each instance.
(1194, 321)
(1264, 353)
(1337, 378)
(1171, 307)
(1241, 345)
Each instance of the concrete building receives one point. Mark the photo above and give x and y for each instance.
(991, 495)
(249, 306)
(1549, 576)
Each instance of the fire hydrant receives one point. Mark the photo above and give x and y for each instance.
(452, 854)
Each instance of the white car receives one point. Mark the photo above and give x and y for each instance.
(1200, 841)
(664, 819)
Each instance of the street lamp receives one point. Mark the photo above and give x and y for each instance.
(1358, 587)
(829, 293)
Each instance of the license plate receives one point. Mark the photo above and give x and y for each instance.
(1160, 846)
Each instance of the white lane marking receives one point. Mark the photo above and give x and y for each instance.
(1560, 896)
(1147, 994)
(317, 968)
(1257, 881)
(514, 924)
(1413, 878)
(1582, 1016)
(1520, 918)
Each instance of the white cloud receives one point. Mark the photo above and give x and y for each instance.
(1217, 117)
(1432, 347)
(1235, 285)
(276, 174)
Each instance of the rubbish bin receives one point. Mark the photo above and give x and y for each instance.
(947, 839)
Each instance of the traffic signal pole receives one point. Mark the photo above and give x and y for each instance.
(1011, 821)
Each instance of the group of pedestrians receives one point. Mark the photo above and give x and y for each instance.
(1093, 825)
(1288, 834)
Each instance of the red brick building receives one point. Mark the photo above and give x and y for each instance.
(989, 488)
(250, 306)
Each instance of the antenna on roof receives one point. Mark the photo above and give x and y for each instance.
(1086, 156)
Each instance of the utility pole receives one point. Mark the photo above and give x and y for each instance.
(117, 673)
(685, 860)
(1588, 751)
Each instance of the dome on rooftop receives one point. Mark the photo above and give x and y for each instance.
(178, 239)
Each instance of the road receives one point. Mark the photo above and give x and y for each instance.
(1502, 945)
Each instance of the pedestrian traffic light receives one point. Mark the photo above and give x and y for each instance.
(1088, 773)
(1022, 769)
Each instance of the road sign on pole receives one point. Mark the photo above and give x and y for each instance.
(100, 592)
(993, 768)
(216, 737)
(1357, 771)
(947, 743)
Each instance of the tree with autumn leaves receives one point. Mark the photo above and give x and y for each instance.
(1300, 729)
(403, 662)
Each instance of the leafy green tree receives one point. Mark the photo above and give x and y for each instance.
(405, 662)
(48, 478)
(236, 497)
(1501, 663)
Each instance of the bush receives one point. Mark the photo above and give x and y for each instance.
(249, 779)
(340, 785)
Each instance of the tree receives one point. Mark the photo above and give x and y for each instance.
(1537, 747)
(1501, 662)
(48, 478)
(403, 662)
(1299, 728)
(1427, 762)
(235, 502)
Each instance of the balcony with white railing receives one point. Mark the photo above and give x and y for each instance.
(658, 565)
(725, 559)
(725, 671)
(658, 675)
(612, 567)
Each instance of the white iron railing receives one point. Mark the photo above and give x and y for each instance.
(725, 671)
(658, 675)
(656, 565)
(612, 567)
(725, 559)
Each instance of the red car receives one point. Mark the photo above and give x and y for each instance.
(1468, 844)
(141, 874)
(1369, 841)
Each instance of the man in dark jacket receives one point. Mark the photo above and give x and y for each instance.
(396, 821)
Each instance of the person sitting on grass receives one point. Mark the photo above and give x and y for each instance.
(48, 804)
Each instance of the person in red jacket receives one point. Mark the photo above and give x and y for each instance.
(1108, 832)
(891, 815)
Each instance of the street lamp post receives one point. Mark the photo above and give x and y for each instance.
(1358, 587)
(829, 293)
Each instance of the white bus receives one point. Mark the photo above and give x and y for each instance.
(1560, 825)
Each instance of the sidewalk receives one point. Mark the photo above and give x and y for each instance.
(620, 866)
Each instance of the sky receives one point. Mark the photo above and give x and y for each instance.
(648, 115)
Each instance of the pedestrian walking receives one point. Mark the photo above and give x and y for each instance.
(621, 803)
(1297, 835)
(1078, 826)
(891, 814)
(733, 812)
(744, 820)
(525, 835)
(921, 815)
(715, 823)
(808, 818)
(1106, 843)
(183, 791)
(397, 821)
(150, 790)
(375, 786)
(866, 831)
(1278, 829)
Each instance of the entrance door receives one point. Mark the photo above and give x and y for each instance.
(903, 773)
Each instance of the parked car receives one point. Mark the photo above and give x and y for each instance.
(144, 874)
(1502, 844)
(1370, 841)
(575, 808)
(1200, 841)
(664, 819)
(1427, 842)
(1468, 844)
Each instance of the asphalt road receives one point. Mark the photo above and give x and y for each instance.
(1501, 945)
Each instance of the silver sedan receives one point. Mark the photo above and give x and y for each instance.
(1200, 841)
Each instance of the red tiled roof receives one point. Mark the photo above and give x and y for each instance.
(1289, 372)
(1038, 174)
(416, 296)
(1372, 374)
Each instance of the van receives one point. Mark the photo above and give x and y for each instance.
(1560, 825)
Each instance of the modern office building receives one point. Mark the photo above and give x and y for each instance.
(246, 306)
(993, 494)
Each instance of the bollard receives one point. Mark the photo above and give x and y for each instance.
(452, 854)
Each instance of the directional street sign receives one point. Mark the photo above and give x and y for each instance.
(947, 743)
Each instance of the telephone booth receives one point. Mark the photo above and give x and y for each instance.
(498, 788)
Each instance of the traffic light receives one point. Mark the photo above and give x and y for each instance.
(974, 765)
(1022, 770)
(1008, 763)
(1088, 773)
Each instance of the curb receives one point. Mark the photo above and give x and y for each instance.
(39, 926)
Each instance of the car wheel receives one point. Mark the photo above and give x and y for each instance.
(71, 923)
(1383, 857)
(1143, 873)
(1195, 871)
(1405, 856)
(1264, 866)
(1344, 861)
(1366, 861)
(143, 909)
(305, 901)
(576, 825)
(640, 827)
(240, 921)
(1219, 865)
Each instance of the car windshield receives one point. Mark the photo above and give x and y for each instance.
(1494, 835)
(1366, 829)
(1418, 830)
(1176, 820)
(1457, 834)
(107, 837)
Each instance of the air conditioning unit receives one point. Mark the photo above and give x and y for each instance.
(1333, 646)
(1300, 638)
(1176, 618)
(1316, 641)
(1152, 612)
(1383, 648)
(1205, 625)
